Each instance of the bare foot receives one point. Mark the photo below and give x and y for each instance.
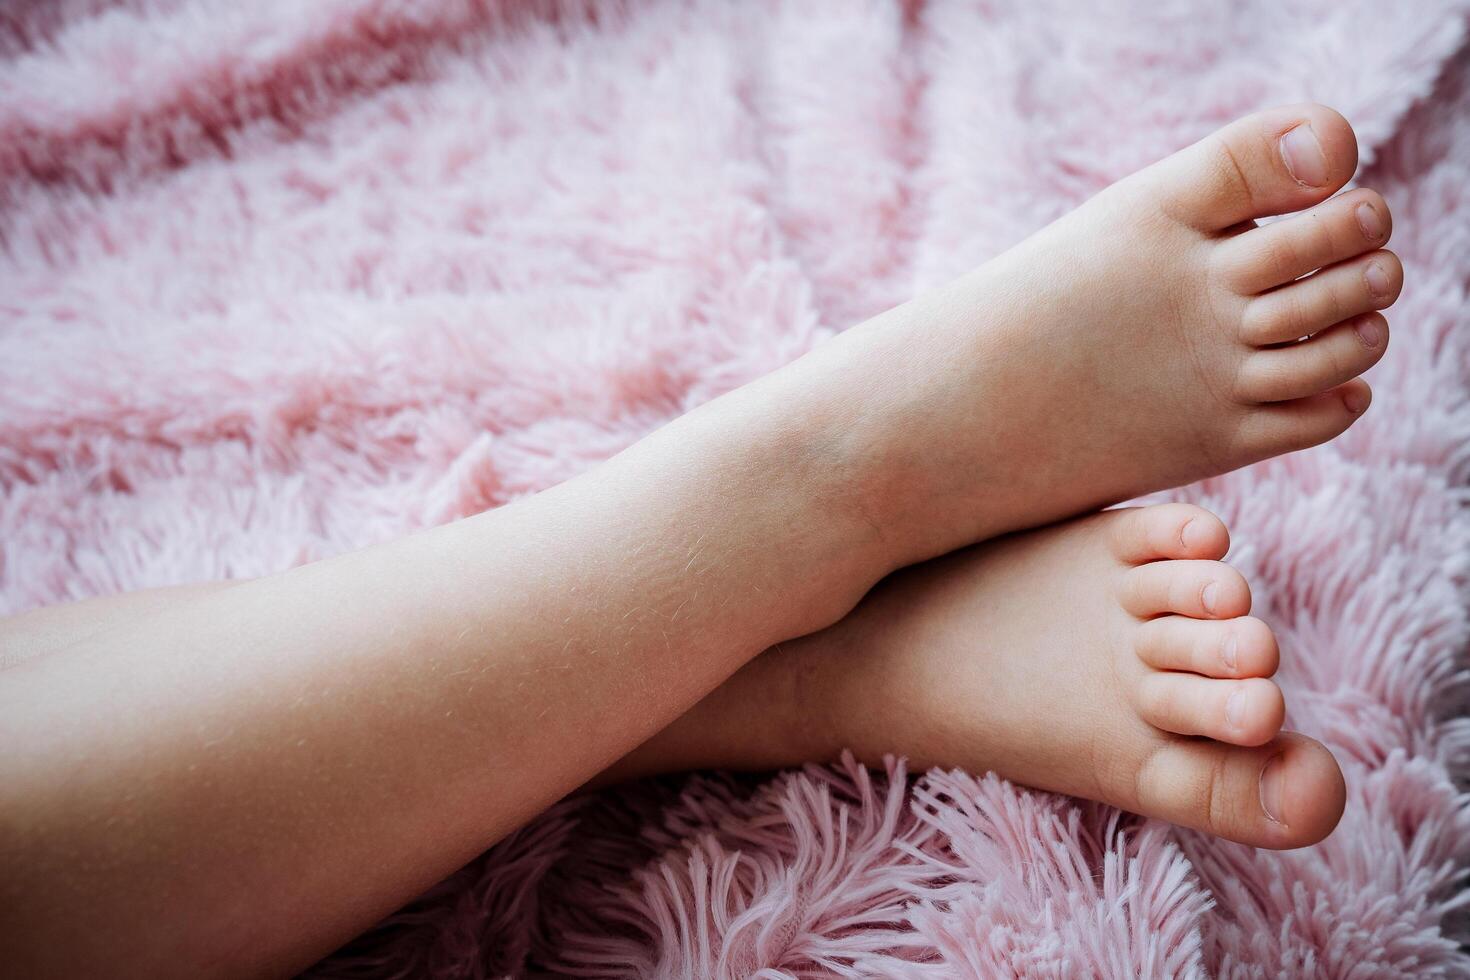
(1153, 337)
(1110, 658)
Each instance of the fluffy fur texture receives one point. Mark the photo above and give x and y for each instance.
(281, 279)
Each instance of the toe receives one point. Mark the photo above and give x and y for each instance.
(1287, 793)
(1144, 534)
(1202, 589)
(1269, 163)
(1283, 251)
(1243, 647)
(1276, 428)
(1369, 282)
(1241, 712)
(1326, 360)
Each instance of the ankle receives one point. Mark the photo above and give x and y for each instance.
(859, 414)
(800, 481)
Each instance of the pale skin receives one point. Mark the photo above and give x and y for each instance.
(340, 736)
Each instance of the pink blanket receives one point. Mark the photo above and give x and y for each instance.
(283, 278)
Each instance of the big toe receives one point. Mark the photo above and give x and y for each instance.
(1287, 793)
(1272, 162)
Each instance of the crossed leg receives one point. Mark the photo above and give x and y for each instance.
(464, 678)
(1109, 657)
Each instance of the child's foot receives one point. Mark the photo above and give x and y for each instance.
(1152, 337)
(1110, 658)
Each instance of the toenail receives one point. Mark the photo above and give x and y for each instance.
(1191, 535)
(1369, 331)
(1227, 653)
(1210, 596)
(1377, 280)
(1370, 222)
(1355, 400)
(1273, 778)
(1303, 155)
(1235, 709)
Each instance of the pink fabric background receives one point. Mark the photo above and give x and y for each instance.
(280, 279)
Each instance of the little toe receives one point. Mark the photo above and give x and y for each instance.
(1268, 163)
(1276, 428)
(1145, 534)
(1241, 712)
(1321, 362)
(1284, 251)
(1202, 589)
(1287, 793)
(1300, 309)
(1243, 647)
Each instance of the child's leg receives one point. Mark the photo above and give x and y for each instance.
(251, 774)
(1088, 658)
(999, 658)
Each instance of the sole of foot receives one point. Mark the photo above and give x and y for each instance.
(1155, 336)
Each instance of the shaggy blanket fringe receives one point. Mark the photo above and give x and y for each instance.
(281, 279)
